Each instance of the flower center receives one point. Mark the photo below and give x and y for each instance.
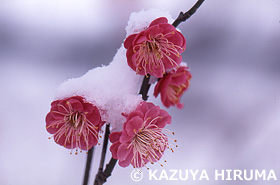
(148, 146)
(153, 47)
(156, 52)
(143, 138)
(75, 119)
(174, 92)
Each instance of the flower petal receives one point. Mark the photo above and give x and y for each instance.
(75, 104)
(128, 41)
(123, 151)
(126, 161)
(133, 125)
(160, 20)
(114, 149)
(152, 113)
(114, 136)
(136, 113)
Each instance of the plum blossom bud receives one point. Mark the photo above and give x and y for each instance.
(172, 86)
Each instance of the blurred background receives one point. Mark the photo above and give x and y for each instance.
(232, 110)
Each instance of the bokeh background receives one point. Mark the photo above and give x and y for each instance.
(232, 110)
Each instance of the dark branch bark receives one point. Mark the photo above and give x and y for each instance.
(184, 16)
(104, 148)
(88, 164)
(101, 178)
(103, 154)
(145, 87)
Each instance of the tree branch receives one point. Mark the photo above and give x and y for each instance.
(99, 178)
(104, 148)
(88, 164)
(184, 16)
(145, 87)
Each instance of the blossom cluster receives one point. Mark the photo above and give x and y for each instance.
(109, 94)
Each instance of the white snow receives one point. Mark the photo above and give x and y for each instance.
(113, 89)
(139, 21)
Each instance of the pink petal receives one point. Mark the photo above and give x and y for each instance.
(162, 87)
(178, 39)
(123, 151)
(143, 72)
(114, 149)
(158, 71)
(94, 117)
(62, 108)
(88, 107)
(128, 41)
(140, 39)
(157, 88)
(130, 55)
(145, 106)
(134, 114)
(51, 120)
(125, 137)
(152, 113)
(168, 30)
(166, 119)
(133, 125)
(91, 142)
(54, 103)
(58, 115)
(76, 105)
(160, 20)
(153, 31)
(126, 162)
(115, 136)
(168, 65)
(68, 145)
(180, 77)
(179, 105)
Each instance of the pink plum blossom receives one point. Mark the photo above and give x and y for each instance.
(142, 139)
(74, 123)
(172, 86)
(156, 49)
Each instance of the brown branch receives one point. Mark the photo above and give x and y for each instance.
(145, 87)
(184, 16)
(104, 148)
(88, 164)
(99, 178)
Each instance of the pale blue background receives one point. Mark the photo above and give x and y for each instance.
(232, 109)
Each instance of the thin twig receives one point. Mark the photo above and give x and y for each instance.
(104, 148)
(99, 176)
(184, 16)
(88, 164)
